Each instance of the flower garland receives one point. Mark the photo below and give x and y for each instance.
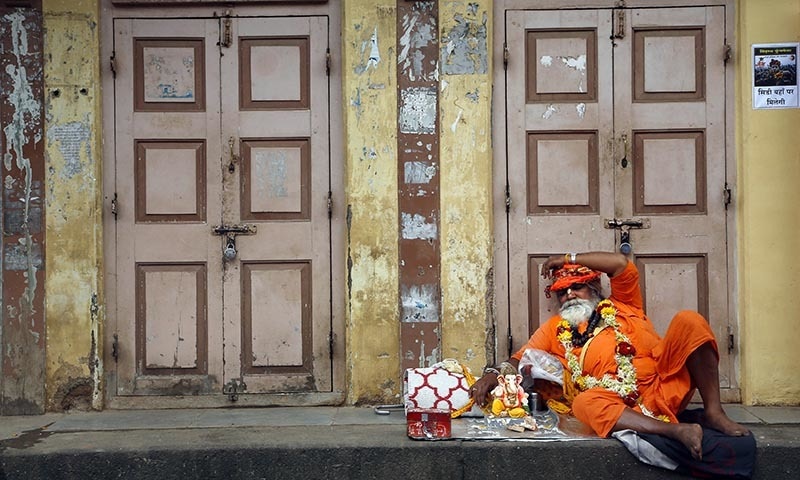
(624, 382)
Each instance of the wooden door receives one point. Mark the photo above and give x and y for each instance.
(277, 291)
(222, 143)
(628, 129)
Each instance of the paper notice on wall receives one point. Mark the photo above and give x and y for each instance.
(775, 75)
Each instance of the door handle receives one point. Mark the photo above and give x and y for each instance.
(234, 159)
(624, 161)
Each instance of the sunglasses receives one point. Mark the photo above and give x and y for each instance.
(575, 287)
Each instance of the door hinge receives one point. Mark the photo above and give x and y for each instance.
(113, 64)
(114, 207)
(508, 198)
(225, 35)
(331, 343)
(727, 196)
(93, 306)
(330, 204)
(115, 348)
(510, 344)
(730, 341)
(727, 52)
(505, 56)
(328, 62)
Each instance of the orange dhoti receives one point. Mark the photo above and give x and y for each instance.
(664, 384)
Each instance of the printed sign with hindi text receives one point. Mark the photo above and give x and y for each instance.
(775, 76)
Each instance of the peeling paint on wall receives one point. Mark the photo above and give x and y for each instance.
(418, 148)
(418, 172)
(417, 227)
(371, 50)
(374, 52)
(420, 303)
(22, 325)
(418, 110)
(465, 46)
(581, 109)
(75, 373)
(72, 138)
(418, 32)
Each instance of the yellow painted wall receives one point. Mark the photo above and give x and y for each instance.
(768, 167)
(768, 225)
(466, 193)
(74, 224)
(370, 117)
(370, 98)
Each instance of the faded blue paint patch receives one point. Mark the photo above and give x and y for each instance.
(418, 110)
(71, 138)
(419, 303)
(17, 257)
(356, 103)
(269, 174)
(414, 227)
(465, 47)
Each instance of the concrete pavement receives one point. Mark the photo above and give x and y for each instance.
(327, 443)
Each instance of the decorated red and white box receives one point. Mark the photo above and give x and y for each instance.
(428, 423)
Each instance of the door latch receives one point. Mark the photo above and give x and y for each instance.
(243, 229)
(618, 223)
(624, 225)
(230, 232)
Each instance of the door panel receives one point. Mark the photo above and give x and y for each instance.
(205, 141)
(560, 120)
(279, 284)
(675, 120)
(648, 144)
(167, 127)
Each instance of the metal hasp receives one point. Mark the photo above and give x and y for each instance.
(230, 232)
(627, 222)
(233, 388)
(245, 229)
(624, 225)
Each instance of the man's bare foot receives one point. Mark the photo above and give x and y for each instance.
(691, 436)
(719, 421)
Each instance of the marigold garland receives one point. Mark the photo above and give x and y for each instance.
(624, 382)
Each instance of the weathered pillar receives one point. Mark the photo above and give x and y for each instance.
(22, 329)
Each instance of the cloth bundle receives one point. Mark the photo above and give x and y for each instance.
(443, 386)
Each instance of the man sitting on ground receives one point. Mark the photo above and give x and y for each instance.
(625, 375)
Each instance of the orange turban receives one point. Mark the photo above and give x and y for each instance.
(570, 274)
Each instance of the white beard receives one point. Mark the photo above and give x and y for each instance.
(578, 310)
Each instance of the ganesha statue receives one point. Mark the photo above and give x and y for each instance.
(510, 399)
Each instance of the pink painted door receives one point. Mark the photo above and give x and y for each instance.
(624, 130)
(222, 236)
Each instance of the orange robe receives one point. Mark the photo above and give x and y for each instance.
(663, 380)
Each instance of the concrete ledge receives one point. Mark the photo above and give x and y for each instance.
(340, 452)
